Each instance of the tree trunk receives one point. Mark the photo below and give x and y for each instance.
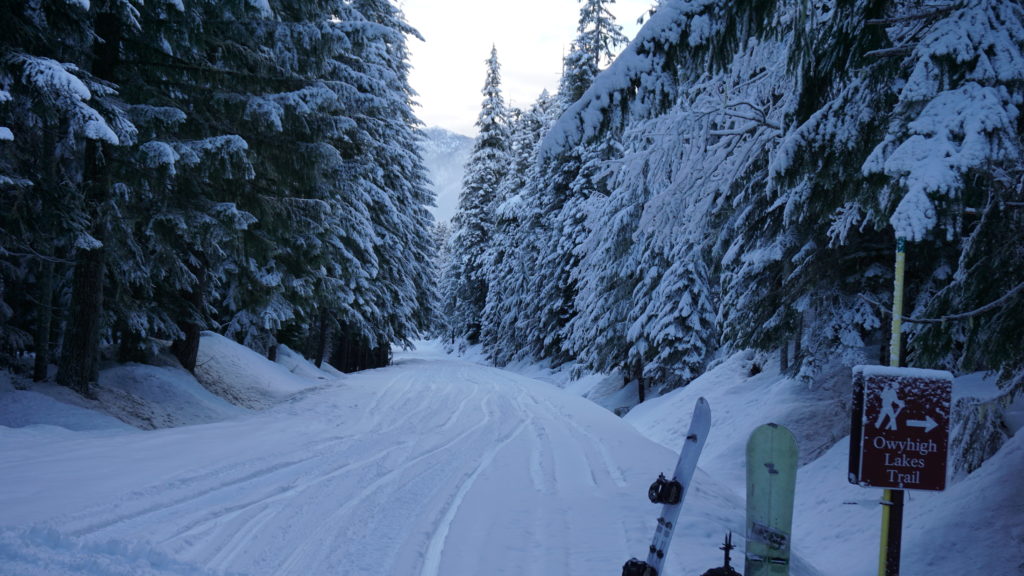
(321, 341)
(186, 350)
(798, 350)
(79, 363)
(44, 315)
(352, 352)
(44, 321)
(784, 356)
(640, 382)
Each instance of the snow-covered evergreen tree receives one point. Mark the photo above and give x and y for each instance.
(474, 221)
(47, 112)
(597, 37)
(514, 251)
(951, 157)
(248, 167)
(608, 275)
(99, 198)
(241, 218)
(442, 261)
(565, 180)
(391, 172)
(789, 164)
(900, 125)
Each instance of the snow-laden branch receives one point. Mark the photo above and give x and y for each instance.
(672, 24)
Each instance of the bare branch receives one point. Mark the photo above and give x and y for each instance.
(736, 132)
(887, 52)
(937, 11)
(975, 211)
(953, 317)
(760, 119)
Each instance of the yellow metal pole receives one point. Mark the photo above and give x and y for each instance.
(897, 303)
(892, 508)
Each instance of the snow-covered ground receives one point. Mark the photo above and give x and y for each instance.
(440, 466)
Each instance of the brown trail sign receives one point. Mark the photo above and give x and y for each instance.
(900, 427)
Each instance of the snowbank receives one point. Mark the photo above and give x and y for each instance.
(49, 405)
(46, 552)
(973, 527)
(246, 378)
(150, 397)
(138, 396)
(298, 365)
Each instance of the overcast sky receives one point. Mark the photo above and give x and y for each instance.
(531, 37)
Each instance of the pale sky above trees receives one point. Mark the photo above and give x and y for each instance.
(531, 36)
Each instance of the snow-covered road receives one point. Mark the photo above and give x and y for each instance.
(430, 467)
(436, 466)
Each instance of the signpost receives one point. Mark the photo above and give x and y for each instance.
(900, 428)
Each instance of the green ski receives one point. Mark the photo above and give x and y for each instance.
(771, 483)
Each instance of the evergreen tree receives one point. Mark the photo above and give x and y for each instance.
(389, 141)
(48, 111)
(831, 255)
(442, 261)
(951, 157)
(674, 203)
(566, 180)
(247, 167)
(801, 257)
(597, 37)
(514, 251)
(608, 274)
(882, 144)
(168, 254)
(474, 221)
(239, 246)
(99, 197)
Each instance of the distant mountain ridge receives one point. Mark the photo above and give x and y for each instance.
(445, 154)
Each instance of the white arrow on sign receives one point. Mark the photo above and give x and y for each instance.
(928, 423)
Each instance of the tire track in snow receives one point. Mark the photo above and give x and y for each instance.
(435, 550)
(541, 460)
(607, 463)
(573, 468)
(400, 394)
(298, 554)
(295, 488)
(192, 493)
(612, 470)
(243, 534)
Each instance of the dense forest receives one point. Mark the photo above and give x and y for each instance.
(740, 177)
(173, 166)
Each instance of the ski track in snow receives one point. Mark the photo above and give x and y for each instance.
(429, 467)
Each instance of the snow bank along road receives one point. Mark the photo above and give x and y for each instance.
(429, 467)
